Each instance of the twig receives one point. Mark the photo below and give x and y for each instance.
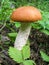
(3, 27)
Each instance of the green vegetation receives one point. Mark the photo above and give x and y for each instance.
(6, 8)
(43, 25)
(44, 56)
(21, 56)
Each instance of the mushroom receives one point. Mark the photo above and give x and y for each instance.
(25, 15)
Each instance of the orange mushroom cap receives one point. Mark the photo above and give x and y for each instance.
(26, 14)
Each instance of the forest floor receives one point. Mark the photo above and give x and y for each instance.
(38, 41)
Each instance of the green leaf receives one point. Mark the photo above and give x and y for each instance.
(44, 56)
(26, 51)
(29, 62)
(15, 54)
(45, 31)
(36, 26)
(17, 24)
(12, 34)
(42, 24)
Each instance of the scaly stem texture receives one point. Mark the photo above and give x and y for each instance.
(22, 36)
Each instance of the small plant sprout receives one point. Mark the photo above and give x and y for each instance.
(26, 15)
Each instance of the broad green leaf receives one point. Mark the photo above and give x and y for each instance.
(47, 25)
(45, 31)
(29, 62)
(17, 24)
(26, 52)
(42, 24)
(15, 54)
(44, 56)
(36, 26)
(12, 34)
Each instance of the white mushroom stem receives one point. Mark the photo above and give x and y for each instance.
(22, 36)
